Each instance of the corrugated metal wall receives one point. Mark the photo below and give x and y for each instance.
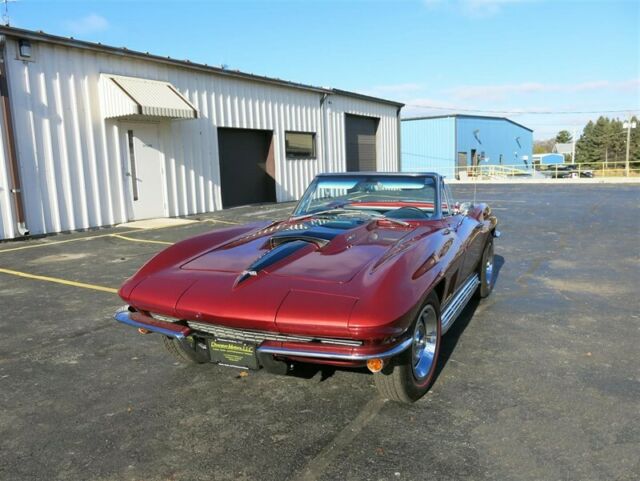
(73, 161)
(433, 144)
(428, 145)
(501, 141)
(387, 136)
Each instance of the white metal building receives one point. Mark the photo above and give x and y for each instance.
(95, 135)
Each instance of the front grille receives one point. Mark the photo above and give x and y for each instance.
(258, 336)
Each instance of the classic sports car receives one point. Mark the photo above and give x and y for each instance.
(371, 269)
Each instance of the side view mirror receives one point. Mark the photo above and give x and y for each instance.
(462, 208)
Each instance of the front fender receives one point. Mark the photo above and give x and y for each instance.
(182, 251)
(393, 292)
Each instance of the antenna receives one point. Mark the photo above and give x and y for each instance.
(5, 12)
(475, 187)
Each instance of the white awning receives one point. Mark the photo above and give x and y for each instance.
(139, 98)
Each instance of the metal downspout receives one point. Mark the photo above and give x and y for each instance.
(14, 169)
(399, 149)
(323, 133)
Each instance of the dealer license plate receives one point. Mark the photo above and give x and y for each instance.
(233, 353)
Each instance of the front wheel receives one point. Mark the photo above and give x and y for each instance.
(184, 351)
(487, 271)
(408, 376)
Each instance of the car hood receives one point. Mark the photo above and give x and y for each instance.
(292, 276)
(316, 249)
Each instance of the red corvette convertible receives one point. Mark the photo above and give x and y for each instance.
(371, 269)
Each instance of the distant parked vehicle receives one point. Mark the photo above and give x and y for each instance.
(566, 171)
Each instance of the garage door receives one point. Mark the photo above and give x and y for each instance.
(247, 167)
(361, 142)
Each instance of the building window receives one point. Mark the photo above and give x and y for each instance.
(25, 50)
(300, 145)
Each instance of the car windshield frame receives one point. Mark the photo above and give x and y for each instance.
(301, 209)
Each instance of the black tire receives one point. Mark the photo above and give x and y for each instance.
(272, 365)
(398, 381)
(486, 270)
(182, 353)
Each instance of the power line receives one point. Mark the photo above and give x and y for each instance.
(523, 112)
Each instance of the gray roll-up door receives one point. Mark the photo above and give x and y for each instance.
(247, 167)
(360, 134)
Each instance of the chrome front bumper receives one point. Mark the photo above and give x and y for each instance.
(136, 319)
(338, 356)
(313, 351)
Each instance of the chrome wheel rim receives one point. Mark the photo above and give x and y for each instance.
(425, 339)
(488, 267)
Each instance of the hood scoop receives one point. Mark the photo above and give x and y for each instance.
(318, 233)
(318, 237)
(285, 248)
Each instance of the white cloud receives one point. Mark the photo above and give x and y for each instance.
(88, 24)
(422, 106)
(504, 91)
(401, 89)
(474, 8)
(485, 8)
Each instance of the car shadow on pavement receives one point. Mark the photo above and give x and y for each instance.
(450, 340)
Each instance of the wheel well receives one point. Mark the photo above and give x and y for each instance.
(439, 289)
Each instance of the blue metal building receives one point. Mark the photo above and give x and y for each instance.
(548, 159)
(449, 144)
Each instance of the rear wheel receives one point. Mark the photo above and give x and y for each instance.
(487, 270)
(183, 351)
(408, 376)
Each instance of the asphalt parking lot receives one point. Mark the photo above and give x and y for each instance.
(538, 382)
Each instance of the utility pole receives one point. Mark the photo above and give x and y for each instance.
(628, 125)
(5, 13)
(573, 147)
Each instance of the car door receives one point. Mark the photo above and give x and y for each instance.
(469, 233)
(453, 219)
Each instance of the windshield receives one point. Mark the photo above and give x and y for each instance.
(365, 192)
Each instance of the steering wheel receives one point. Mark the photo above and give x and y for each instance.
(408, 212)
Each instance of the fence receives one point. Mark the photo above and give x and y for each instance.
(553, 171)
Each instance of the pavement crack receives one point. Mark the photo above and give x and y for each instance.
(314, 469)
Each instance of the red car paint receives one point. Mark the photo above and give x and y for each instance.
(366, 284)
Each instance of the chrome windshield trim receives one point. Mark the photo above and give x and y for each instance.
(339, 356)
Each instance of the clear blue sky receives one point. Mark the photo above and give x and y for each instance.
(508, 55)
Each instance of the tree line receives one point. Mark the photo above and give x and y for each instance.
(604, 140)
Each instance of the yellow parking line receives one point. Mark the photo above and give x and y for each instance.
(46, 244)
(87, 238)
(123, 237)
(59, 281)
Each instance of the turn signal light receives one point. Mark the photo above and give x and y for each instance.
(375, 365)
(142, 330)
